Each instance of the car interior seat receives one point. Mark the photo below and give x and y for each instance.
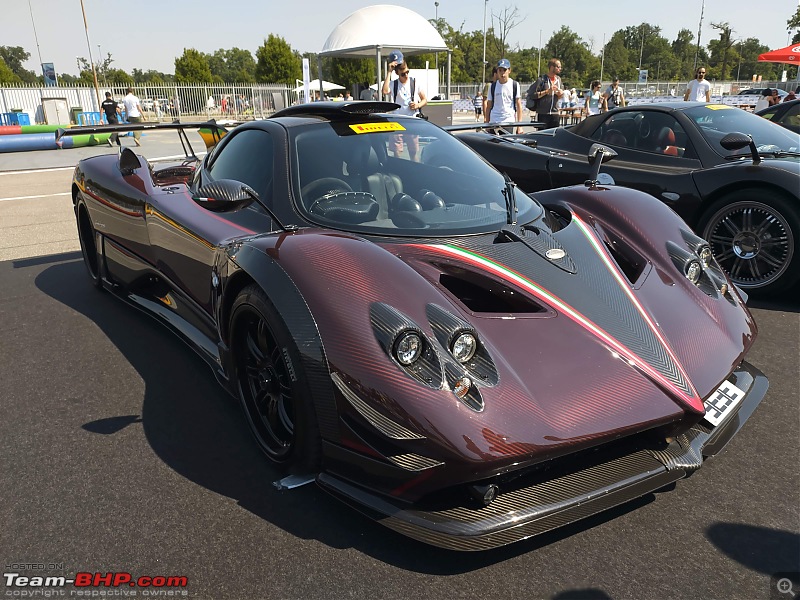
(614, 137)
(666, 141)
(368, 167)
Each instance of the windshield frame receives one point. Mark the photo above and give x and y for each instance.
(767, 136)
(445, 166)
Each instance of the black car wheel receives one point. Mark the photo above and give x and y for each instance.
(754, 239)
(272, 388)
(87, 237)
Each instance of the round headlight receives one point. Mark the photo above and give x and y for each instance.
(705, 255)
(464, 347)
(408, 348)
(693, 271)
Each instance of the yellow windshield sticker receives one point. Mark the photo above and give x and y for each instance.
(719, 106)
(376, 127)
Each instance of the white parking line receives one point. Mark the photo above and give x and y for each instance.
(39, 196)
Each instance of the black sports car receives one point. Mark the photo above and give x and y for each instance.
(742, 196)
(468, 364)
(785, 114)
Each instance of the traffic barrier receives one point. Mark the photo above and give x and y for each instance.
(47, 141)
(14, 118)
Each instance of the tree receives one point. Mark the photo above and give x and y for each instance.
(506, 20)
(14, 56)
(683, 48)
(276, 62)
(192, 67)
(579, 65)
(7, 75)
(234, 65)
(720, 50)
(794, 23)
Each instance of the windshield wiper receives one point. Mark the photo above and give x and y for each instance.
(511, 200)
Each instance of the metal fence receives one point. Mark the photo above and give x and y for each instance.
(160, 102)
(255, 101)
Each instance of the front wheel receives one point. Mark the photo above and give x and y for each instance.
(754, 237)
(272, 387)
(87, 237)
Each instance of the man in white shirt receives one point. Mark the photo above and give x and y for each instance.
(698, 90)
(504, 102)
(405, 92)
(134, 112)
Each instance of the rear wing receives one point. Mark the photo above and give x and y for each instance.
(210, 131)
(498, 128)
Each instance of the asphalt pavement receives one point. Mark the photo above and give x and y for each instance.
(121, 454)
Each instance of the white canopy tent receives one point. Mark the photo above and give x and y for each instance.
(373, 30)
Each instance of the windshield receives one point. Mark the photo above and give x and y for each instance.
(399, 176)
(716, 120)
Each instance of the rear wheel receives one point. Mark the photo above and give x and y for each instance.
(272, 387)
(754, 237)
(87, 237)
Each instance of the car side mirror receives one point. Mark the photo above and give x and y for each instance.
(598, 154)
(128, 161)
(737, 141)
(224, 195)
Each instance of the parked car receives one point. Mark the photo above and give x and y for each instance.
(466, 363)
(785, 114)
(741, 196)
(760, 91)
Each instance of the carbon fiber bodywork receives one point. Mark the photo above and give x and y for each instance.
(593, 356)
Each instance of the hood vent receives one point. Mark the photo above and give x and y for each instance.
(482, 294)
(630, 262)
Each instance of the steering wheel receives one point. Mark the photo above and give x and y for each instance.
(644, 127)
(317, 189)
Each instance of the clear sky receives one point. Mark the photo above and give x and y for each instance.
(155, 32)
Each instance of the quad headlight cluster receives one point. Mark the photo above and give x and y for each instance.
(454, 357)
(696, 261)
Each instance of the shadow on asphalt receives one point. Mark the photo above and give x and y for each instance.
(761, 549)
(198, 430)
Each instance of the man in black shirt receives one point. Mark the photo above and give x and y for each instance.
(112, 110)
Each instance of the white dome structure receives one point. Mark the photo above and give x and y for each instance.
(386, 27)
(376, 30)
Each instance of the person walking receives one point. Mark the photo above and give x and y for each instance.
(111, 109)
(547, 94)
(477, 103)
(698, 90)
(504, 103)
(613, 96)
(593, 99)
(134, 112)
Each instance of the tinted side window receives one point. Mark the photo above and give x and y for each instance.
(247, 157)
(646, 131)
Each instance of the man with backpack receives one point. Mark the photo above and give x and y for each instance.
(544, 95)
(404, 91)
(613, 96)
(503, 104)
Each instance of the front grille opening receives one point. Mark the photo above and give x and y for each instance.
(482, 294)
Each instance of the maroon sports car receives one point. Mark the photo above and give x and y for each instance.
(465, 363)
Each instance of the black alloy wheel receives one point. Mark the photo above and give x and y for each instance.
(754, 239)
(272, 389)
(87, 237)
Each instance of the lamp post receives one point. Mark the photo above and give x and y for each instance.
(699, 28)
(36, 37)
(91, 62)
(436, 5)
(485, 4)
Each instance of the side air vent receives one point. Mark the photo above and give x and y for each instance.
(481, 294)
(557, 217)
(630, 262)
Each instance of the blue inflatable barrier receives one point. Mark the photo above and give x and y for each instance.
(22, 142)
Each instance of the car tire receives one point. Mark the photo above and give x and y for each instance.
(754, 236)
(88, 240)
(272, 387)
